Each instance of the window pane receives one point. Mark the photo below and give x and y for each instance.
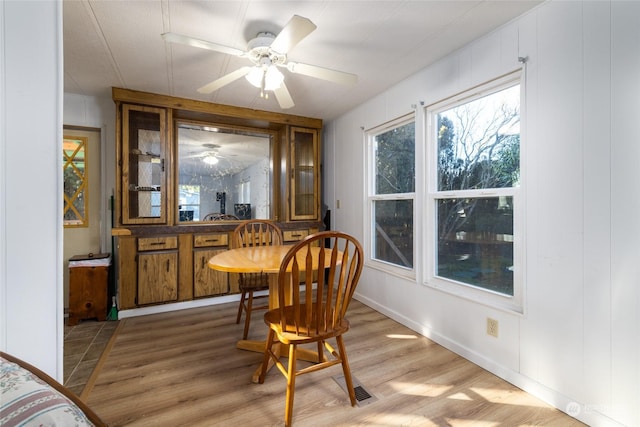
(479, 143)
(74, 150)
(393, 237)
(189, 206)
(395, 160)
(475, 242)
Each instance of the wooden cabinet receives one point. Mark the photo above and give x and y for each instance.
(143, 159)
(304, 186)
(157, 270)
(161, 256)
(87, 293)
(206, 281)
(294, 235)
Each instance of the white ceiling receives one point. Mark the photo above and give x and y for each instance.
(118, 43)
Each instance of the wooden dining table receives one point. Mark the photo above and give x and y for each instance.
(265, 259)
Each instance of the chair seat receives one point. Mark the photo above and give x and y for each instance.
(301, 334)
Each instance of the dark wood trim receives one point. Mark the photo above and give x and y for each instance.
(145, 98)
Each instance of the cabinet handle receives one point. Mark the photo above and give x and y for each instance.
(203, 262)
(212, 241)
(162, 165)
(168, 265)
(156, 243)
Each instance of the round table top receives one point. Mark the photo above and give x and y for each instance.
(256, 259)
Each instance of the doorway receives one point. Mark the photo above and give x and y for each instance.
(84, 236)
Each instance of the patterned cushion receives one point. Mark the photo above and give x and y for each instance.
(26, 400)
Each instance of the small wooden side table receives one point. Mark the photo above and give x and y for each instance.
(88, 287)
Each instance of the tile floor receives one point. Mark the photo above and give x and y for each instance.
(84, 343)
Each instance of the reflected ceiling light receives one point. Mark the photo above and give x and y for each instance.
(210, 160)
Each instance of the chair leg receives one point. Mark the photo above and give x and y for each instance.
(267, 356)
(240, 307)
(346, 370)
(291, 385)
(247, 319)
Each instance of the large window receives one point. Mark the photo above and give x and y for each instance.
(391, 170)
(474, 198)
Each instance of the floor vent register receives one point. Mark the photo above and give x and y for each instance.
(363, 397)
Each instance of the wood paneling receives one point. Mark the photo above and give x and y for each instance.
(207, 281)
(157, 277)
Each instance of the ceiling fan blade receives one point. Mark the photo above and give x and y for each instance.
(283, 96)
(225, 80)
(203, 44)
(296, 29)
(322, 73)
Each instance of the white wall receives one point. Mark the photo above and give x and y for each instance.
(97, 113)
(578, 344)
(31, 315)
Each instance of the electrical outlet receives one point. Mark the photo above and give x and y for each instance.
(492, 327)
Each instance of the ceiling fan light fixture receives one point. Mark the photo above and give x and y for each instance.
(269, 78)
(273, 78)
(210, 160)
(255, 77)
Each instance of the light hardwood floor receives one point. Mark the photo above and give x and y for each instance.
(182, 368)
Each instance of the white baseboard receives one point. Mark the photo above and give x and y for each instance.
(165, 308)
(575, 409)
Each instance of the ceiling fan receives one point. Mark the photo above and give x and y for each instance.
(210, 156)
(267, 52)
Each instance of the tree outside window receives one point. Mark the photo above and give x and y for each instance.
(392, 154)
(478, 174)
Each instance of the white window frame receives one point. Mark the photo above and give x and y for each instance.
(512, 303)
(187, 205)
(369, 222)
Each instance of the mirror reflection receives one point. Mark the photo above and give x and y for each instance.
(223, 173)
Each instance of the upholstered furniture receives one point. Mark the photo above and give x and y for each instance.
(29, 397)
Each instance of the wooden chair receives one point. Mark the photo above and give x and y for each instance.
(254, 232)
(317, 312)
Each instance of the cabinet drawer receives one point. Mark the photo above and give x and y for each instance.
(157, 243)
(215, 239)
(294, 235)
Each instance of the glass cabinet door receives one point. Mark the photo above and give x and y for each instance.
(144, 196)
(304, 187)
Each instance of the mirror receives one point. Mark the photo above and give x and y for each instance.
(224, 173)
